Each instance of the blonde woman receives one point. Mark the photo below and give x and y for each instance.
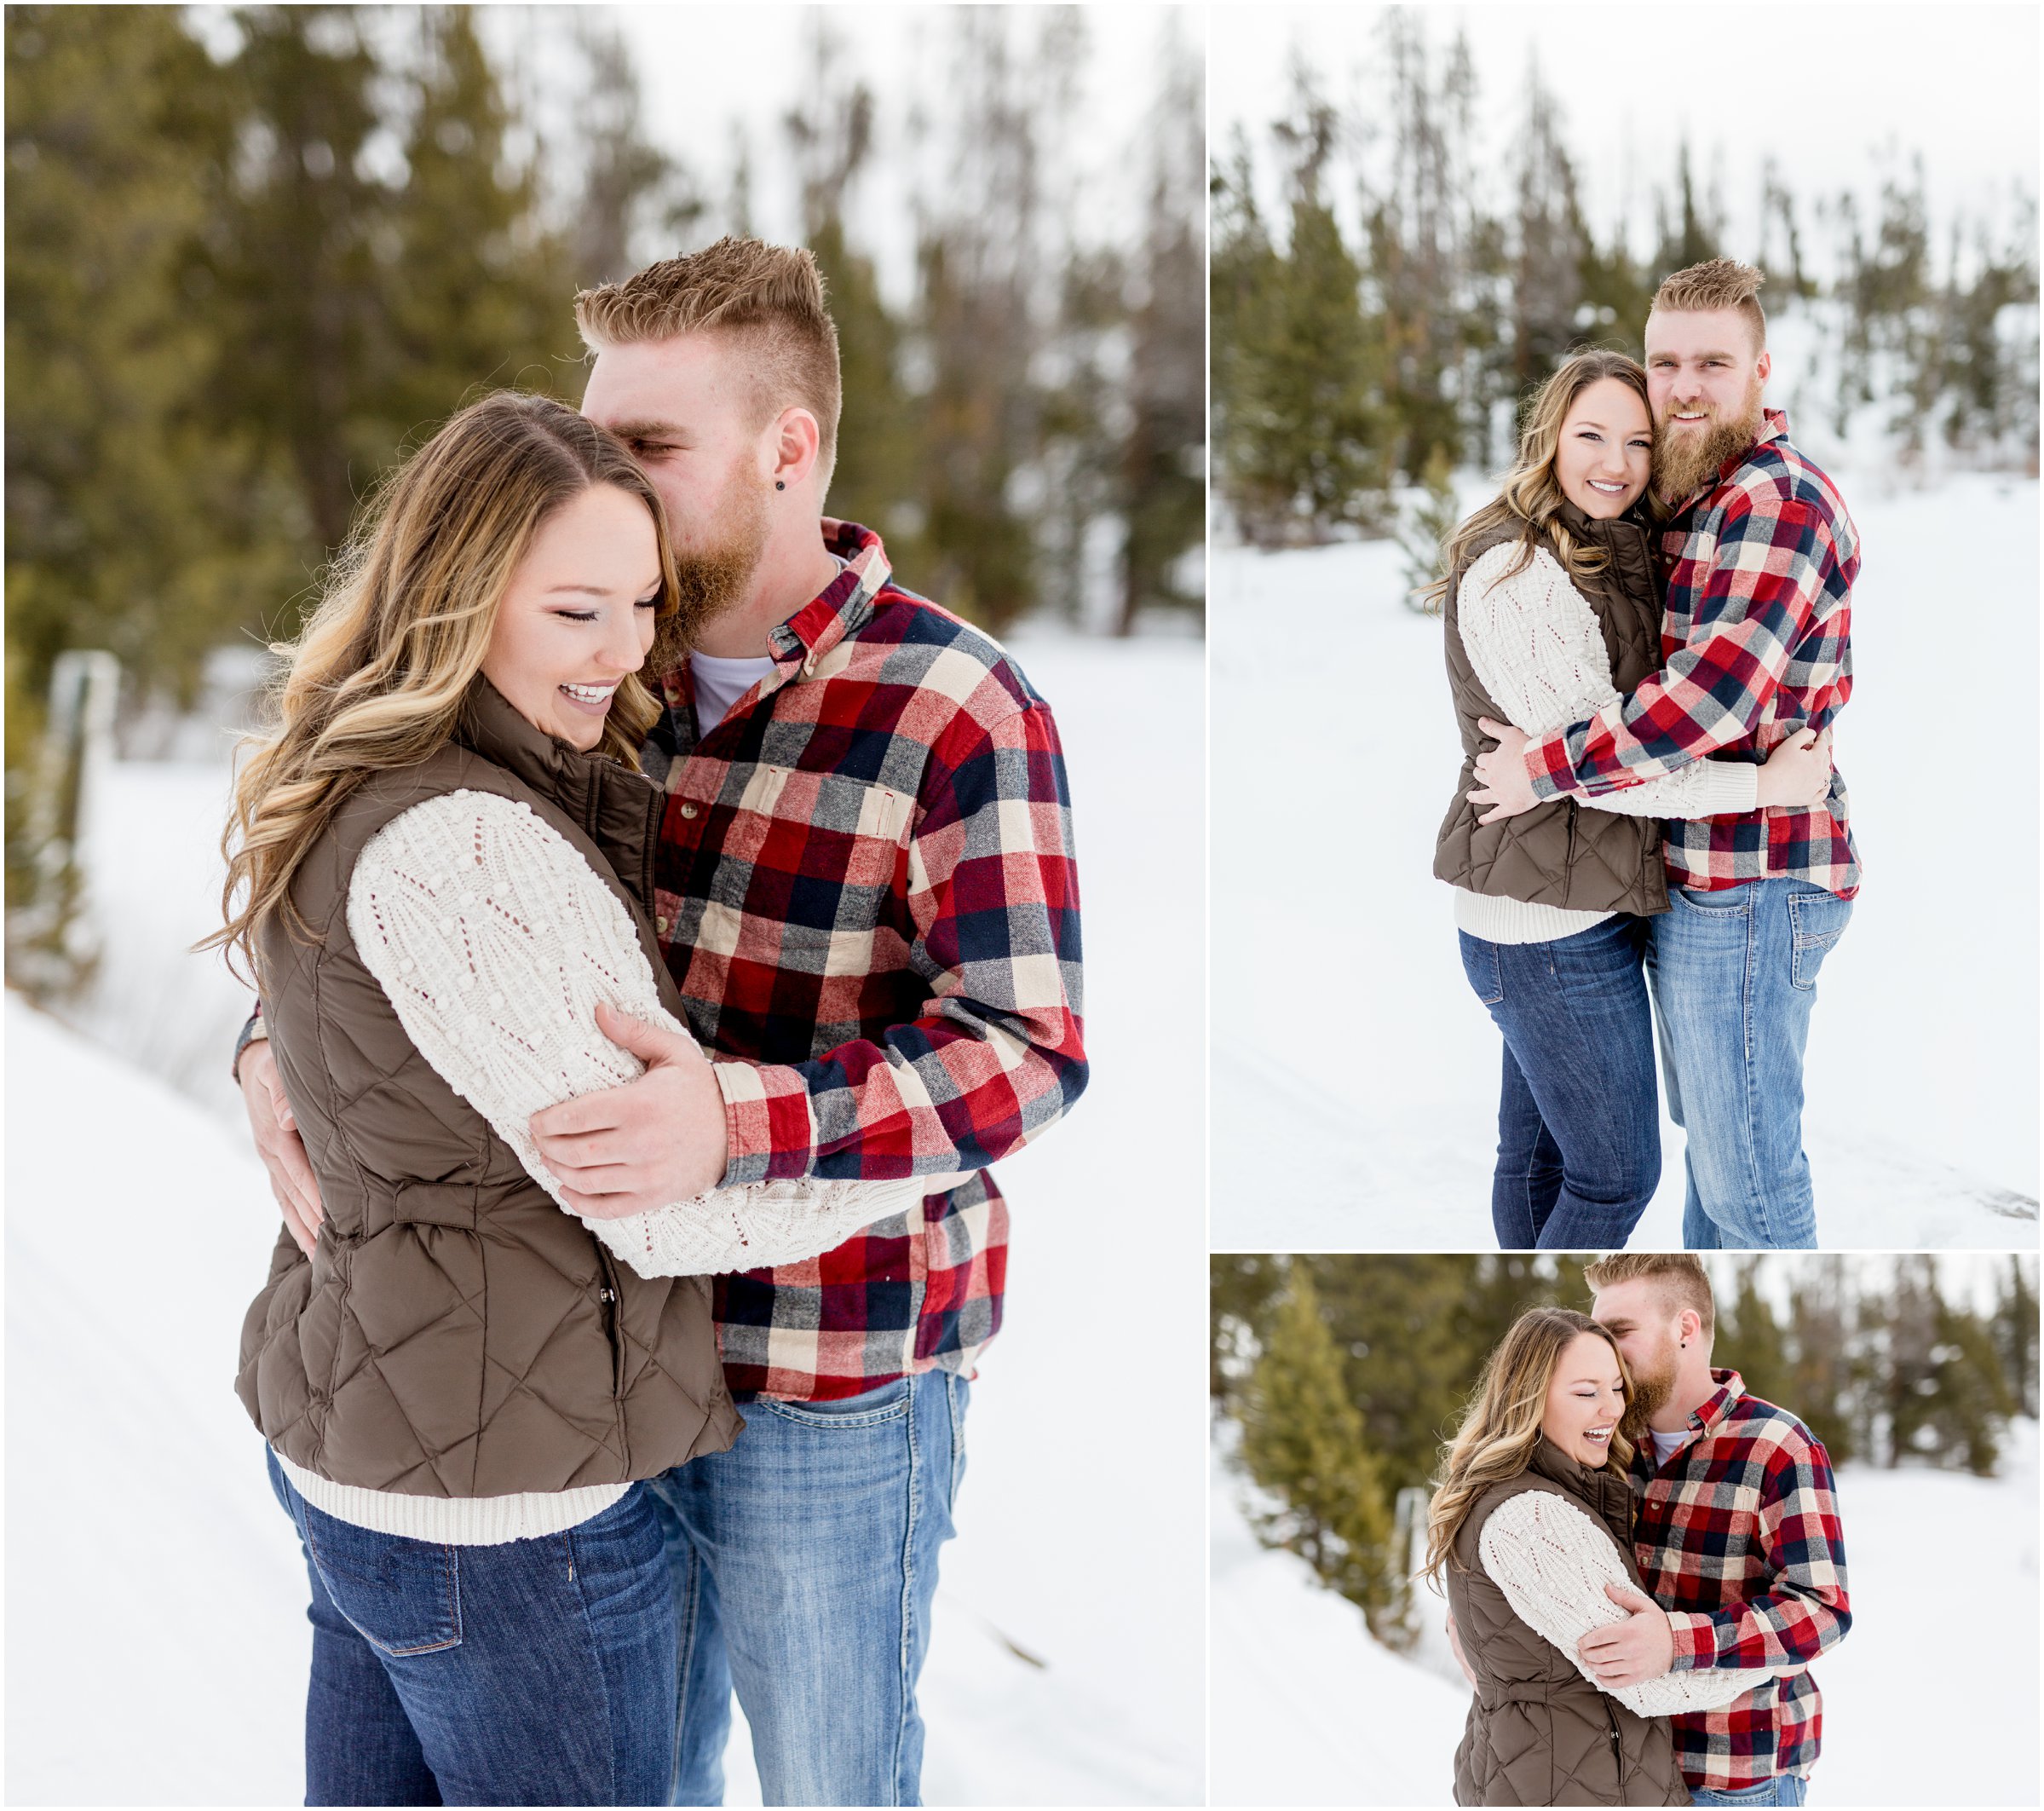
(1551, 594)
(1530, 1532)
(440, 863)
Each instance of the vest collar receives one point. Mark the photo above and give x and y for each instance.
(1598, 532)
(616, 806)
(1602, 1492)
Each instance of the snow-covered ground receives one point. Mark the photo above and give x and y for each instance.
(156, 1640)
(1354, 1075)
(1931, 1699)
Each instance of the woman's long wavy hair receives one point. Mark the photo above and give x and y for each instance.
(1502, 1424)
(380, 672)
(1530, 499)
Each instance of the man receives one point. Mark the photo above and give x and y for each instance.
(865, 891)
(1738, 1537)
(1756, 644)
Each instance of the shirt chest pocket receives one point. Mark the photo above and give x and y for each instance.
(1718, 1531)
(803, 862)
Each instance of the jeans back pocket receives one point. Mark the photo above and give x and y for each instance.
(402, 1595)
(1480, 963)
(1816, 920)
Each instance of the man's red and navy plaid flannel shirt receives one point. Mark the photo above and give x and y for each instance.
(1738, 1539)
(865, 891)
(1757, 643)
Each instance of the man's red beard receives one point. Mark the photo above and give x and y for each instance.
(713, 572)
(1685, 459)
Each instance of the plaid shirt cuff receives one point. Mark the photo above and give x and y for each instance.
(1695, 1640)
(770, 1127)
(254, 1032)
(1548, 767)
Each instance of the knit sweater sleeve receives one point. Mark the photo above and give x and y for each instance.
(1534, 643)
(1552, 1563)
(494, 940)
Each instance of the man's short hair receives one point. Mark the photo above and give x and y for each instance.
(770, 296)
(1683, 1279)
(1723, 283)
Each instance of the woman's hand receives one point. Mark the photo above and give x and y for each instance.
(275, 1131)
(1798, 773)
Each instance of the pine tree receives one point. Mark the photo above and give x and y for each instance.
(1827, 1387)
(630, 189)
(1162, 490)
(1750, 1341)
(1974, 1400)
(472, 290)
(830, 138)
(129, 526)
(1308, 450)
(1243, 1288)
(1303, 1441)
(1909, 1378)
(1552, 245)
(1401, 1322)
(2015, 1331)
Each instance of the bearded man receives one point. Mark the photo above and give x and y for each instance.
(1738, 1538)
(865, 890)
(1756, 645)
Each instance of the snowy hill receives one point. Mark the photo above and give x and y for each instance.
(1355, 1076)
(156, 1638)
(1308, 1710)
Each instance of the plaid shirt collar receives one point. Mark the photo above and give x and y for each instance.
(1774, 426)
(833, 615)
(1708, 1417)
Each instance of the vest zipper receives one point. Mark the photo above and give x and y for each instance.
(606, 1294)
(1618, 1751)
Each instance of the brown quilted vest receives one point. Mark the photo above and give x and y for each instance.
(1538, 1733)
(455, 1333)
(1562, 852)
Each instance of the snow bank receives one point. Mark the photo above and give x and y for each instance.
(1354, 1077)
(156, 1634)
(1308, 1708)
(1931, 1699)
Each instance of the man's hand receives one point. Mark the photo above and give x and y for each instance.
(1506, 785)
(1798, 773)
(1454, 1640)
(1631, 1653)
(275, 1130)
(658, 1140)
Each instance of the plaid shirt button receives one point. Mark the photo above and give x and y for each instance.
(687, 810)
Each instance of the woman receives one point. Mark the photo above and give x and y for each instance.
(447, 849)
(1531, 1519)
(1552, 597)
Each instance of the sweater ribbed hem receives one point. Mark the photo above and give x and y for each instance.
(1517, 921)
(453, 1521)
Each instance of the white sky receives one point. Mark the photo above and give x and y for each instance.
(1823, 87)
(706, 70)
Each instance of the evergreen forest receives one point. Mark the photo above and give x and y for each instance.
(1383, 302)
(253, 256)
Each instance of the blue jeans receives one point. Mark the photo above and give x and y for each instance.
(805, 1560)
(1733, 974)
(538, 1672)
(1578, 1126)
(1784, 1789)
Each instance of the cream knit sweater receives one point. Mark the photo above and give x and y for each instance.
(494, 940)
(1535, 644)
(1552, 1562)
